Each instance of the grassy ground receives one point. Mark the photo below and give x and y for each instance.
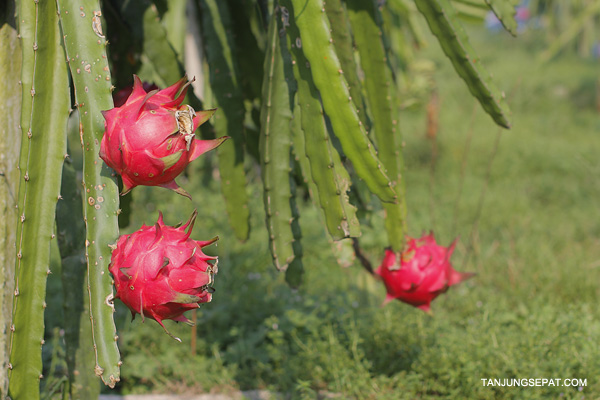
(531, 312)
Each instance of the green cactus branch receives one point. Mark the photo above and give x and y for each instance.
(86, 53)
(10, 141)
(174, 21)
(443, 22)
(326, 171)
(45, 94)
(344, 48)
(505, 11)
(471, 10)
(299, 149)
(157, 47)
(229, 120)
(328, 77)
(248, 36)
(275, 147)
(142, 43)
(83, 383)
(380, 88)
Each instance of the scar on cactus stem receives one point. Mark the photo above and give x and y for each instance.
(423, 273)
(149, 140)
(160, 272)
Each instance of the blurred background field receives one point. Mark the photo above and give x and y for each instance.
(530, 229)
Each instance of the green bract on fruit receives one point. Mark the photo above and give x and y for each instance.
(159, 272)
(150, 139)
(423, 273)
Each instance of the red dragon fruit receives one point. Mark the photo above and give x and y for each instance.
(159, 272)
(150, 139)
(121, 96)
(424, 272)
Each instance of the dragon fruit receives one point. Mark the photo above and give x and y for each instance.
(121, 96)
(424, 272)
(160, 273)
(150, 139)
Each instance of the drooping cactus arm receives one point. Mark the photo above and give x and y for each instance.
(44, 116)
(174, 21)
(299, 149)
(158, 49)
(344, 48)
(327, 172)
(505, 11)
(85, 47)
(275, 145)
(381, 98)
(328, 77)
(229, 120)
(442, 20)
(248, 36)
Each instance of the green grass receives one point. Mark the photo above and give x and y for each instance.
(531, 312)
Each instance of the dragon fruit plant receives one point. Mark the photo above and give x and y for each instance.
(422, 273)
(149, 140)
(160, 272)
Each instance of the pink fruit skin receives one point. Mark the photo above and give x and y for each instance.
(160, 273)
(120, 97)
(149, 140)
(424, 272)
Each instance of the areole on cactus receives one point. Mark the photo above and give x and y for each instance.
(149, 140)
(423, 272)
(160, 272)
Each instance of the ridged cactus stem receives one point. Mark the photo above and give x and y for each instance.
(229, 120)
(44, 113)
(505, 12)
(444, 24)
(175, 24)
(342, 41)
(85, 47)
(328, 76)
(10, 141)
(329, 176)
(380, 88)
(160, 52)
(275, 148)
(70, 227)
(248, 36)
